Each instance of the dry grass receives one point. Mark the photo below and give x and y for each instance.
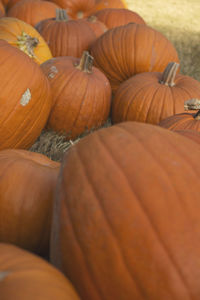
(179, 21)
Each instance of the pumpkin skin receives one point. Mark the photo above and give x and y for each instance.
(97, 26)
(25, 276)
(27, 183)
(110, 4)
(76, 9)
(15, 31)
(33, 11)
(130, 49)
(191, 134)
(113, 17)
(75, 35)
(147, 97)
(25, 98)
(2, 9)
(81, 95)
(113, 224)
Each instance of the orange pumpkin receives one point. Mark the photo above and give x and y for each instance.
(26, 276)
(127, 50)
(66, 37)
(33, 11)
(97, 26)
(2, 9)
(76, 9)
(151, 97)
(126, 219)
(24, 37)
(113, 17)
(109, 4)
(81, 95)
(184, 121)
(27, 183)
(25, 98)
(191, 134)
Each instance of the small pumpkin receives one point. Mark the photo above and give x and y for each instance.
(25, 98)
(109, 4)
(81, 95)
(27, 183)
(127, 50)
(185, 121)
(153, 96)
(113, 17)
(32, 11)
(26, 276)
(64, 36)
(126, 215)
(24, 37)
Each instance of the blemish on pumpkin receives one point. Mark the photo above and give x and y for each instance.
(53, 72)
(26, 97)
(4, 274)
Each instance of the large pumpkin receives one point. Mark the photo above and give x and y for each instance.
(130, 49)
(24, 37)
(113, 17)
(27, 182)
(81, 95)
(126, 218)
(185, 121)
(66, 37)
(24, 276)
(25, 100)
(33, 11)
(151, 97)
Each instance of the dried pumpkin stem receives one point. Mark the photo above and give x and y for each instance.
(61, 15)
(193, 104)
(92, 19)
(86, 62)
(169, 74)
(27, 43)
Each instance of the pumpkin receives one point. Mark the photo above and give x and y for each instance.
(189, 133)
(97, 26)
(66, 37)
(27, 182)
(25, 276)
(153, 96)
(11, 3)
(33, 11)
(113, 17)
(81, 95)
(76, 9)
(2, 9)
(130, 49)
(184, 121)
(126, 218)
(24, 37)
(109, 4)
(25, 98)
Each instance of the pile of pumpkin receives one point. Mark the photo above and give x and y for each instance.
(118, 217)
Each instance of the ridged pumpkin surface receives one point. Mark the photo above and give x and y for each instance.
(191, 134)
(181, 121)
(126, 218)
(81, 99)
(130, 49)
(24, 276)
(66, 37)
(33, 11)
(27, 183)
(113, 17)
(25, 100)
(145, 98)
(24, 37)
(110, 4)
(97, 26)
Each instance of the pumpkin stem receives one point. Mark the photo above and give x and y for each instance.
(26, 43)
(79, 15)
(169, 74)
(193, 104)
(61, 15)
(86, 62)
